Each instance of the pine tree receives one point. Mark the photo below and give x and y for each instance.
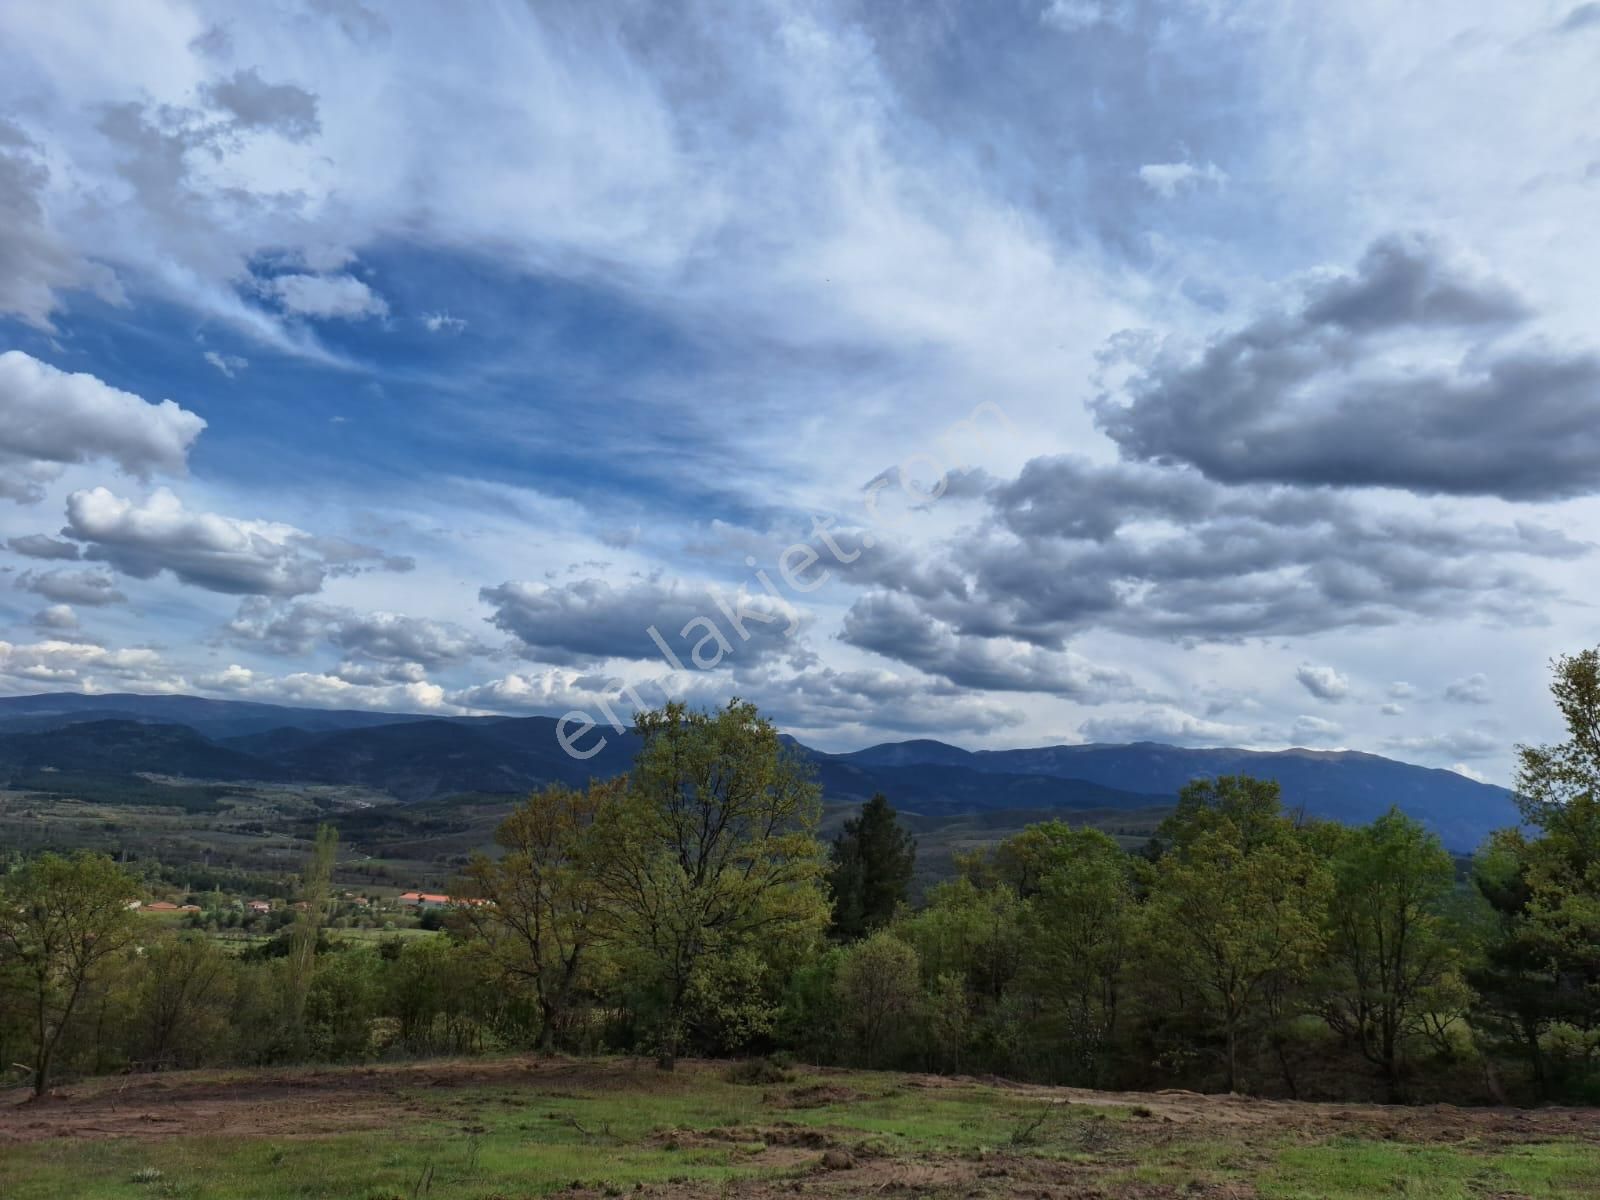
(872, 863)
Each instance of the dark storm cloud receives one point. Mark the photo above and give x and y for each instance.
(1314, 398)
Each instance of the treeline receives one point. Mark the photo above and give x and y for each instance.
(691, 908)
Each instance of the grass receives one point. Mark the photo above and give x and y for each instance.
(615, 1130)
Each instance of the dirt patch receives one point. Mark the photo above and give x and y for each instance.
(815, 1095)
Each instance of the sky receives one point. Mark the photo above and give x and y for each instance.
(1024, 372)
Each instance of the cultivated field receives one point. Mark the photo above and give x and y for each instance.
(516, 1127)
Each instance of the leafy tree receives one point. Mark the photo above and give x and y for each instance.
(1078, 935)
(872, 862)
(182, 1001)
(306, 932)
(1540, 979)
(879, 986)
(1391, 957)
(1236, 911)
(61, 922)
(713, 844)
(545, 904)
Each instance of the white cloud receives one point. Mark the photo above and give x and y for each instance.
(74, 665)
(328, 297)
(49, 418)
(229, 364)
(1474, 689)
(1168, 179)
(443, 322)
(1324, 683)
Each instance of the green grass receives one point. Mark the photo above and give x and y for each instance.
(614, 1129)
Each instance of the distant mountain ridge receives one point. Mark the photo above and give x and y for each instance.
(416, 757)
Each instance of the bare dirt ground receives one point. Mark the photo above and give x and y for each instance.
(293, 1103)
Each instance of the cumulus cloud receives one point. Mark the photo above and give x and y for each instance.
(1474, 689)
(58, 618)
(1163, 724)
(1324, 683)
(896, 628)
(318, 690)
(39, 545)
(218, 553)
(590, 619)
(49, 418)
(64, 664)
(326, 297)
(443, 322)
(90, 588)
(1168, 179)
(384, 637)
(1401, 374)
(1462, 743)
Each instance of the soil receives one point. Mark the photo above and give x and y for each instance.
(288, 1104)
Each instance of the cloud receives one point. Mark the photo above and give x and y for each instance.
(207, 550)
(38, 545)
(1474, 689)
(896, 628)
(1157, 551)
(1324, 683)
(1310, 730)
(257, 105)
(37, 262)
(1075, 16)
(589, 620)
(1583, 17)
(1168, 179)
(1395, 375)
(49, 418)
(59, 618)
(1165, 724)
(317, 690)
(62, 664)
(1463, 743)
(229, 364)
(327, 297)
(385, 637)
(442, 322)
(90, 588)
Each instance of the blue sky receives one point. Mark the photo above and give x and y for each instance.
(420, 358)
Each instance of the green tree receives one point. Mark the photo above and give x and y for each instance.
(1392, 961)
(1078, 935)
(871, 865)
(879, 987)
(1540, 978)
(1237, 908)
(61, 922)
(544, 905)
(712, 845)
(181, 1004)
(315, 884)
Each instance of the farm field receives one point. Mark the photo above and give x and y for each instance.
(523, 1126)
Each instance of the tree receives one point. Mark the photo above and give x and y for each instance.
(712, 845)
(185, 987)
(544, 902)
(1236, 910)
(872, 862)
(1078, 935)
(315, 884)
(1390, 954)
(879, 986)
(1541, 974)
(61, 920)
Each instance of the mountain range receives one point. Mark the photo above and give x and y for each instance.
(417, 758)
